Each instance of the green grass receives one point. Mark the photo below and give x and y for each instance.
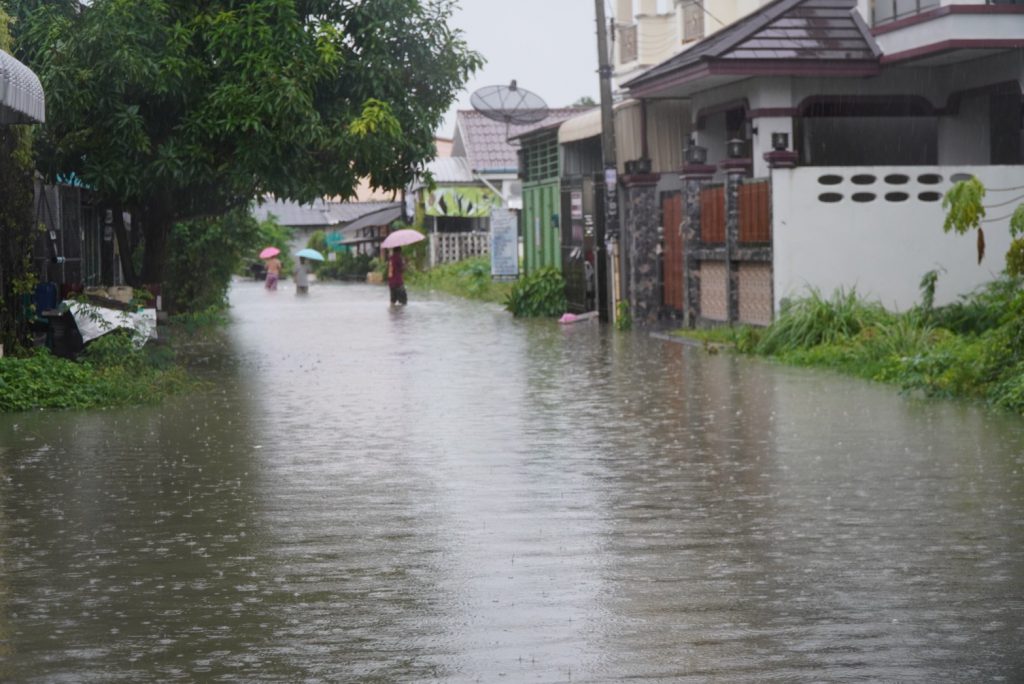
(109, 372)
(470, 278)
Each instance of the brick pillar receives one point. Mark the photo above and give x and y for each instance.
(693, 176)
(642, 219)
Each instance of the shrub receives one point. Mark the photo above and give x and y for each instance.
(470, 278)
(814, 320)
(542, 293)
(203, 255)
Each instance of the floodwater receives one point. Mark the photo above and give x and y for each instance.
(445, 493)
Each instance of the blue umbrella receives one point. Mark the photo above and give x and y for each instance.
(310, 253)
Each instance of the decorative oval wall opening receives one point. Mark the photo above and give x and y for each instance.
(960, 177)
(863, 197)
(896, 197)
(830, 197)
(929, 196)
(863, 179)
(897, 179)
(929, 179)
(830, 179)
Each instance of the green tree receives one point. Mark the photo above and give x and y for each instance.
(965, 209)
(16, 223)
(181, 110)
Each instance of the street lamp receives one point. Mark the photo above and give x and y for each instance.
(695, 154)
(736, 148)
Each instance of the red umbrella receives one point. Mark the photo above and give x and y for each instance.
(405, 236)
(269, 252)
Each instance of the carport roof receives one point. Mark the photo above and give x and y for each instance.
(21, 94)
(786, 37)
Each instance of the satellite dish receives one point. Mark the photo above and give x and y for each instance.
(510, 104)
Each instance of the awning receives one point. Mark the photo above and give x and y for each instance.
(377, 218)
(21, 94)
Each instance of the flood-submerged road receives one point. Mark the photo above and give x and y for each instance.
(445, 493)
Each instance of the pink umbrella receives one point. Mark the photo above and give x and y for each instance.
(405, 236)
(269, 252)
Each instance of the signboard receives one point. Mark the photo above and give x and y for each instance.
(504, 244)
(576, 203)
(466, 201)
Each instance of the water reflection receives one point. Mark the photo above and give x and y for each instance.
(444, 493)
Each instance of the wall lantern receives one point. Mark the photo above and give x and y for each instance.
(630, 167)
(780, 141)
(695, 154)
(736, 148)
(643, 165)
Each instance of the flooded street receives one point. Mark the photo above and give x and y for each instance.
(445, 493)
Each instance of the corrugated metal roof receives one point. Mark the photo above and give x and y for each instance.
(451, 170)
(317, 213)
(485, 141)
(21, 95)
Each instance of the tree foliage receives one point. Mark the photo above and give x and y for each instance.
(177, 110)
(16, 224)
(964, 212)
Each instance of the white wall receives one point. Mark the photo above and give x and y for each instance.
(965, 138)
(881, 247)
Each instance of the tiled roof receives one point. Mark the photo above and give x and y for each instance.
(484, 142)
(785, 35)
(317, 213)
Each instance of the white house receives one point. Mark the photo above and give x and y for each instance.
(858, 116)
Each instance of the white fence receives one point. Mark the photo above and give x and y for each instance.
(448, 247)
(879, 229)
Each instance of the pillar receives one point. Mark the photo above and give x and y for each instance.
(735, 171)
(693, 176)
(642, 221)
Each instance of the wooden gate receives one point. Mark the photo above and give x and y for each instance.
(672, 256)
(755, 219)
(712, 214)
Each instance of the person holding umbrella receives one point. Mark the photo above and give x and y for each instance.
(396, 266)
(273, 267)
(302, 270)
(396, 277)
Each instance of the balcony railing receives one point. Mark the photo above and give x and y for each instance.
(886, 11)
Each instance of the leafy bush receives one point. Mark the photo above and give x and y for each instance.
(542, 293)
(202, 256)
(982, 310)
(347, 266)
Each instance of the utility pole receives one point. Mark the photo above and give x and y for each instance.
(611, 197)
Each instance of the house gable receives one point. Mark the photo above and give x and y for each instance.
(787, 37)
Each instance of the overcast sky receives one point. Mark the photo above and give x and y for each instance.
(548, 46)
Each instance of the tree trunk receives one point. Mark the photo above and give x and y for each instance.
(156, 229)
(157, 219)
